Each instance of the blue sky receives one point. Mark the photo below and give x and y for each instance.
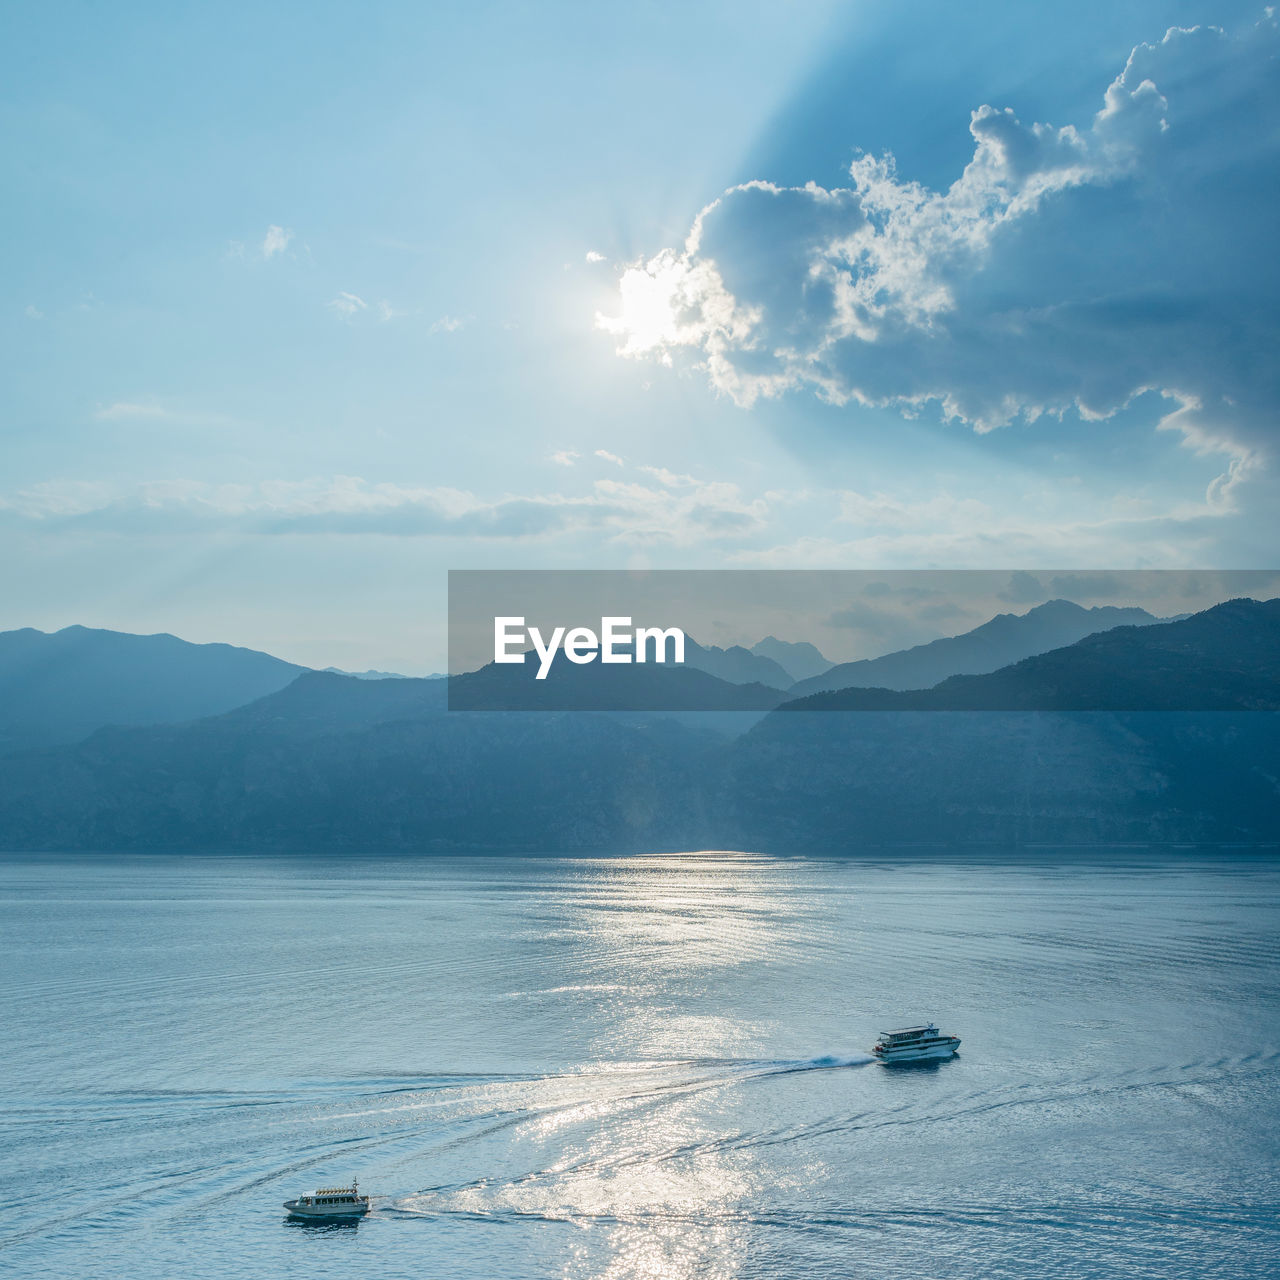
(305, 307)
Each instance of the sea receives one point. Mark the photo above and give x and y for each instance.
(651, 1067)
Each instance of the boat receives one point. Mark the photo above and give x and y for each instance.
(914, 1044)
(330, 1202)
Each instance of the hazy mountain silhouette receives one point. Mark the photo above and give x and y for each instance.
(1007, 638)
(1224, 659)
(646, 686)
(736, 664)
(939, 774)
(836, 781)
(378, 675)
(798, 658)
(331, 762)
(60, 687)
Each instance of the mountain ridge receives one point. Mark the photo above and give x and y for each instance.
(1177, 666)
(331, 762)
(58, 687)
(1006, 638)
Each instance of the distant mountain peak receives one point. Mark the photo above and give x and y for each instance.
(798, 658)
(736, 664)
(61, 686)
(372, 674)
(1225, 658)
(1057, 605)
(1003, 639)
(1069, 607)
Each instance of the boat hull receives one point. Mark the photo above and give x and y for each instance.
(918, 1053)
(298, 1210)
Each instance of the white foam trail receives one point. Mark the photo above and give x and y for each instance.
(827, 1062)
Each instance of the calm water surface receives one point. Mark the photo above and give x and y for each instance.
(644, 1067)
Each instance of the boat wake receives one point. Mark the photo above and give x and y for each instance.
(827, 1062)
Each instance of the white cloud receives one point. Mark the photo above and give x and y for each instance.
(610, 457)
(669, 479)
(450, 324)
(33, 312)
(172, 413)
(124, 410)
(348, 304)
(948, 530)
(617, 512)
(1065, 270)
(957, 525)
(276, 241)
(884, 512)
(565, 457)
(593, 256)
(56, 499)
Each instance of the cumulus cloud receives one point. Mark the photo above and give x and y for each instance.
(276, 241)
(610, 457)
(593, 256)
(1066, 268)
(670, 479)
(565, 457)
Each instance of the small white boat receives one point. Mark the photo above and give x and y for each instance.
(330, 1202)
(913, 1044)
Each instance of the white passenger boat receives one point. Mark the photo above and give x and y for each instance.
(912, 1044)
(330, 1202)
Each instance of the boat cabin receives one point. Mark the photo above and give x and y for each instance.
(904, 1034)
(335, 1196)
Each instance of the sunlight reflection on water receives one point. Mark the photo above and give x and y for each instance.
(649, 1067)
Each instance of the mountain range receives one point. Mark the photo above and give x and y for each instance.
(1225, 659)
(60, 687)
(1007, 638)
(798, 658)
(331, 762)
(736, 664)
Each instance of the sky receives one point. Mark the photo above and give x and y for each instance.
(304, 307)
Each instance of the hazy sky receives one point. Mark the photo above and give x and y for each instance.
(304, 306)
(847, 614)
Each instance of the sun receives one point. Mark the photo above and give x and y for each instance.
(649, 295)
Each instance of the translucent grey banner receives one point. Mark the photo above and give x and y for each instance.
(864, 640)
